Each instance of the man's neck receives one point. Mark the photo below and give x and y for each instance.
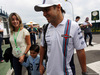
(76, 21)
(86, 21)
(57, 21)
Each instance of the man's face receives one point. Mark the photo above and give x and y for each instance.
(50, 13)
(87, 19)
(78, 19)
(31, 26)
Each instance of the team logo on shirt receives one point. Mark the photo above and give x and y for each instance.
(65, 36)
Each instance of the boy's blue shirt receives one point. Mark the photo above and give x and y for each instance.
(33, 64)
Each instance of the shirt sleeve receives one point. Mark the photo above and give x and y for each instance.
(84, 23)
(1, 27)
(79, 42)
(26, 32)
(42, 40)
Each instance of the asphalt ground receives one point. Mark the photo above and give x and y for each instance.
(92, 56)
(4, 66)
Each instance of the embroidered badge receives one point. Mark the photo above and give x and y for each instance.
(65, 36)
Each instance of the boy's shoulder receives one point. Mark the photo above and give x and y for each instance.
(38, 57)
(29, 58)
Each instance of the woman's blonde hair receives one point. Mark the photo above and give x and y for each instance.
(10, 21)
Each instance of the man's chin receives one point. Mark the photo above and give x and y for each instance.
(48, 20)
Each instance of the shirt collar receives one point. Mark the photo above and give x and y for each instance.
(63, 21)
(34, 59)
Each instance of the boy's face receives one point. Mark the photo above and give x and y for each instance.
(33, 54)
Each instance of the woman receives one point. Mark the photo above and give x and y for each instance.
(20, 41)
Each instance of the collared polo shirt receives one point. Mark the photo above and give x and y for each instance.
(55, 54)
(33, 64)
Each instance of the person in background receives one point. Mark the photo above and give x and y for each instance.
(32, 31)
(20, 41)
(87, 30)
(33, 60)
(40, 31)
(1, 39)
(62, 36)
(77, 18)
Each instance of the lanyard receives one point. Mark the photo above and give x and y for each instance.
(16, 36)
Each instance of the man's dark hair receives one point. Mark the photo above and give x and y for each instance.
(35, 48)
(62, 10)
(77, 17)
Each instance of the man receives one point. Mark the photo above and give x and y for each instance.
(40, 31)
(60, 60)
(32, 31)
(77, 18)
(87, 30)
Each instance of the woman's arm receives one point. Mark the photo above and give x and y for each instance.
(27, 39)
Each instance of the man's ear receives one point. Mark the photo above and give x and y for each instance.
(59, 7)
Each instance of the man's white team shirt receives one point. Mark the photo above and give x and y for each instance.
(55, 47)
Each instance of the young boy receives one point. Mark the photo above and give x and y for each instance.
(33, 60)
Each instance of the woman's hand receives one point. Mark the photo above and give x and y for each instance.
(21, 59)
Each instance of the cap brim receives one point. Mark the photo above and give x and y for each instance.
(40, 7)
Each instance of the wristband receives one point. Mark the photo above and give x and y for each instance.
(84, 73)
(25, 54)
